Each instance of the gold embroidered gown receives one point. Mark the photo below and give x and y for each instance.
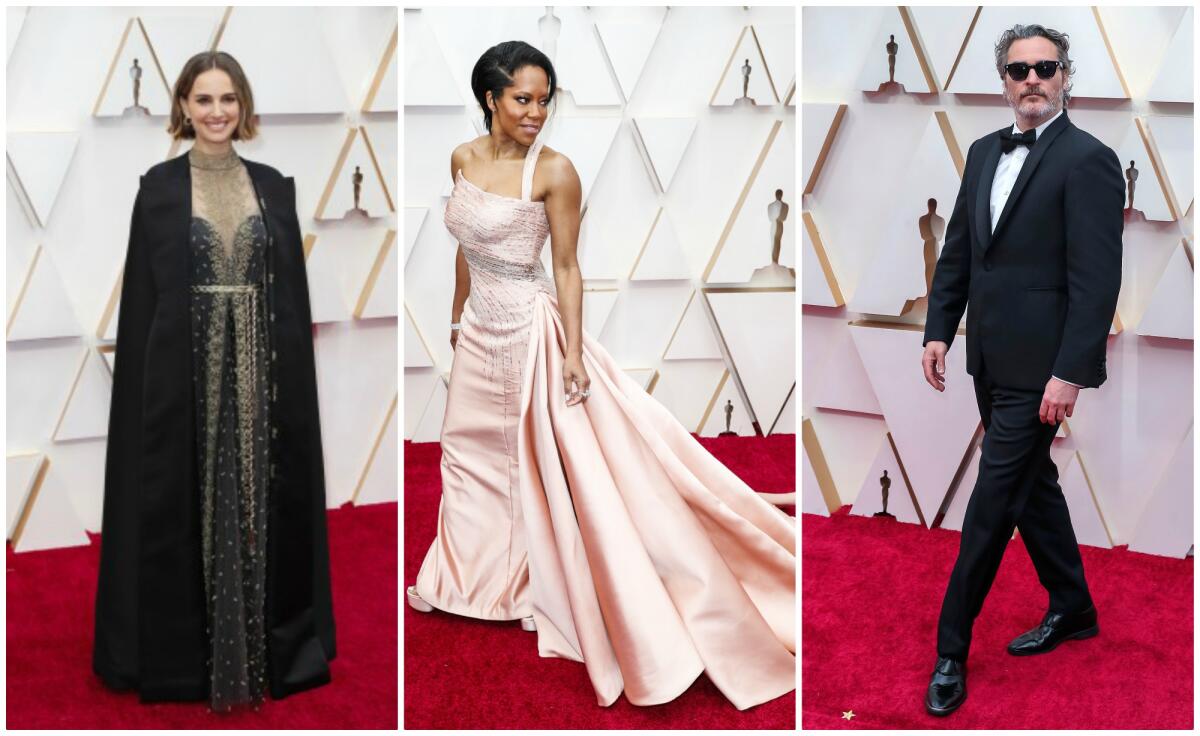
(229, 356)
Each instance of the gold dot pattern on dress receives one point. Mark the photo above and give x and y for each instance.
(231, 379)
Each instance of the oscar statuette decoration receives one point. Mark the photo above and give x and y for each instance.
(884, 484)
(357, 211)
(136, 110)
(775, 274)
(1132, 214)
(728, 420)
(745, 100)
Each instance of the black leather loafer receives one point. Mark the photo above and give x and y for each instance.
(947, 688)
(1055, 629)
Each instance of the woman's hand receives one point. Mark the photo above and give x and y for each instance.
(454, 339)
(573, 373)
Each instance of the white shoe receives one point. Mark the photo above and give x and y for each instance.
(416, 602)
(527, 624)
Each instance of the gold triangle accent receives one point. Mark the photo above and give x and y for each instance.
(1159, 169)
(910, 327)
(940, 514)
(309, 241)
(362, 477)
(653, 382)
(373, 276)
(782, 406)
(745, 289)
(381, 72)
(915, 38)
(951, 142)
(645, 243)
(825, 146)
(101, 349)
(333, 175)
(823, 258)
(712, 400)
(112, 66)
(963, 48)
(221, 28)
(417, 330)
(12, 316)
(678, 324)
(27, 509)
(1095, 498)
(816, 458)
(732, 53)
(1111, 55)
(766, 66)
(110, 308)
(737, 207)
(907, 483)
(378, 169)
(70, 395)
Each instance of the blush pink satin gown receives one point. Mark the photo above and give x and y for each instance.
(635, 551)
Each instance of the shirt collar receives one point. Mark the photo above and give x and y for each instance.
(1040, 128)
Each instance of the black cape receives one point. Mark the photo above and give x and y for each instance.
(150, 603)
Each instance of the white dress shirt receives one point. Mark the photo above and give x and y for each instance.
(1008, 168)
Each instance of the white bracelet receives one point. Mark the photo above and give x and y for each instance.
(456, 325)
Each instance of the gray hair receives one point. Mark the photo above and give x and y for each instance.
(1061, 43)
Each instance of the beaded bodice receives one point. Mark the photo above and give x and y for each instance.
(501, 237)
(502, 240)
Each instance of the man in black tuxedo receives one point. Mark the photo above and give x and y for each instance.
(1034, 248)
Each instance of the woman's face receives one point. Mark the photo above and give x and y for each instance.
(523, 105)
(213, 107)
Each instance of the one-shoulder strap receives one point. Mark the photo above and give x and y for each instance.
(531, 157)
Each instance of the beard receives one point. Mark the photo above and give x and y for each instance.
(1031, 109)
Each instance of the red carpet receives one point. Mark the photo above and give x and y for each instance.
(462, 673)
(872, 591)
(50, 608)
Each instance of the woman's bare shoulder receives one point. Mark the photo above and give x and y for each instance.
(556, 166)
(464, 152)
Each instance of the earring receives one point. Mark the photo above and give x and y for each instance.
(186, 120)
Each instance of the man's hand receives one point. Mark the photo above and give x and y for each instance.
(1058, 401)
(933, 362)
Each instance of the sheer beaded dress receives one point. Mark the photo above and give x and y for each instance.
(229, 354)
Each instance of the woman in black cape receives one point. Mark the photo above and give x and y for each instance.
(214, 565)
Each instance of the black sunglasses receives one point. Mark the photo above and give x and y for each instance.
(1018, 70)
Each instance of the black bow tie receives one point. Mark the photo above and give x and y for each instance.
(1009, 140)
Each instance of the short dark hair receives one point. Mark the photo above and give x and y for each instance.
(1062, 44)
(179, 127)
(494, 72)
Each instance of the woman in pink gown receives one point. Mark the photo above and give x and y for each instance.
(571, 499)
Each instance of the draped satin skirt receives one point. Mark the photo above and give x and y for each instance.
(636, 552)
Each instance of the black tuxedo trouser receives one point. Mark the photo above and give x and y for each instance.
(1017, 487)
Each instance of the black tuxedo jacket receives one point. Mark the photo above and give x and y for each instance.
(1043, 287)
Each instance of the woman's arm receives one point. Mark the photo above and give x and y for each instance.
(563, 197)
(462, 276)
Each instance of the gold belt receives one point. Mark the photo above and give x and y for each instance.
(226, 288)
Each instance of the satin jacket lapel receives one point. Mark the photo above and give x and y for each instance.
(1044, 141)
(983, 193)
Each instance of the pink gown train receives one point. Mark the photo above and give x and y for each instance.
(635, 551)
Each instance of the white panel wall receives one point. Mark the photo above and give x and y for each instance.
(665, 177)
(1125, 436)
(311, 70)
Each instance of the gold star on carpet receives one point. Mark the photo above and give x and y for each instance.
(848, 714)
